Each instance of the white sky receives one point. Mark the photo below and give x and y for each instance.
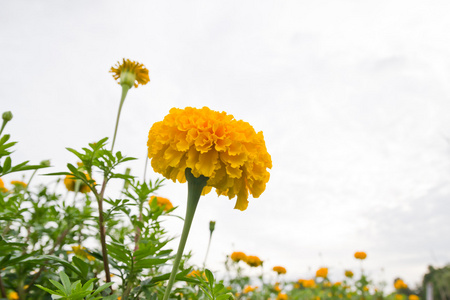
(352, 97)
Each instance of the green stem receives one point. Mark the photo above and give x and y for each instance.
(195, 187)
(3, 126)
(125, 89)
(207, 250)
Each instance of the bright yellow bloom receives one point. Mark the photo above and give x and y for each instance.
(130, 73)
(238, 256)
(360, 255)
(348, 273)
(282, 296)
(310, 283)
(399, 284)
(276, 287)
(81, 251)
(13, 295)
(2, 186)
(228, 152)
(19, 183)
(413, 297)
(366, 289)
(70, 183)
(162, 202)
(279, 270)
(249, 289)
(398, 297)
(253, 261)
(196, 273)
(322, 272)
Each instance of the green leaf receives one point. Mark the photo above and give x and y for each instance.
(59, 286)
(66, 282)
(7, 164)
(149, 262)
(81, 265)
(101, 288)
(49, 290)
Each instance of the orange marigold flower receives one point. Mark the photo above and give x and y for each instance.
(413, 297)
(196, 273)
(13, 295)
(348, 273)
(19, 183)
(238, 256)
(253, 261)
(322, 272)
(249, 289)
(279, 270)
(282, 296)
(2, 186)
(130, 73)
(228, 152)
(400, 284)
(360, 255)
(310, 283)
(162, 202)
(70, 183)
(276, 287)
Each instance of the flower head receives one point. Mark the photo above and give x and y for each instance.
(71, 182)
(162, 202)
(310, 283)
(2, 186)
(19, 183)
(130, 73)
(400, 284)
(249, 289)
(413, 297)
(238, 256)
(254, 261)
(279, 270)
(322, 272)
(282, 296)
(13, 295)
(360, 255)
(228, 152)
(81, 251)
(348, 273)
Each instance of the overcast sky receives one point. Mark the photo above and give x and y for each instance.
(352, 97)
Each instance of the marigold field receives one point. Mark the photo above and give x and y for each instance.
(47, 230)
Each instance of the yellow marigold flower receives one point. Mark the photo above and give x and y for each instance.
(310, 283)
(119, 298)
(196, 273)
(277, 288)
(228, 152)
(366, 289)
(19, 183)
(2, 186)
(322, 272)
(413, 297)
(130, 73)
(282, 296)
(399, 284)
(238, 256)
(249, 289)
(162, 202)
(253, 261)
(81, 251)
(360, 255)
(348, 273)
(13, 295)
(398, 297)
(70, 183)
(279, 270)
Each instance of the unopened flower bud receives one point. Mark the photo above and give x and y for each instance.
(45, 163)
(7, 116)
(212, 226)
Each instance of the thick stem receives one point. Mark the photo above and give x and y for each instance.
(195, 187)
(125, 89)
(101, 224)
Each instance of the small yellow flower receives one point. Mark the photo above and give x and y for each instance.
(338, 283)
(413, 297)
(214, 144)
(253, 261)
(70, 183)
(360, 255)
(398, 297)
(130, 73)
(162, 202)
(282, 296)
(2, 186)
(348, 273)
(249, 289)
(81, 251)
(196, 273)
(279, 270)
(19, 183)
(296, 286)
(13, 295)
(366, 289)
(238, 256)
(276, 287)
(400, 284)
(322, 272)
